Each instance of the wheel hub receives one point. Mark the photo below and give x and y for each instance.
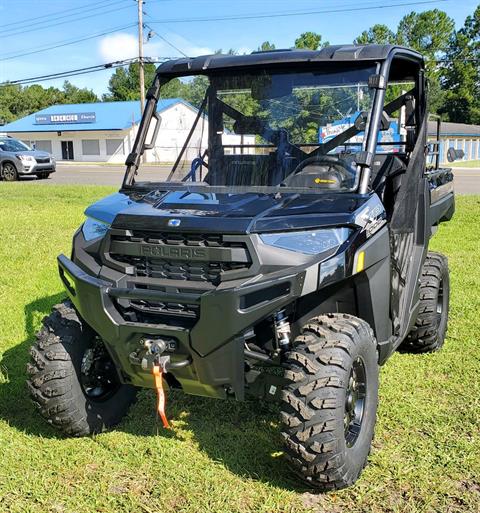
(8, 172)
(355, 402)
(98, 376)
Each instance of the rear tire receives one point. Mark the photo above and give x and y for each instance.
(9, 172)
(428, 334)
(330, 402)
(73, 381)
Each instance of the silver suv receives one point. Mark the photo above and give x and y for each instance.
(16, 159)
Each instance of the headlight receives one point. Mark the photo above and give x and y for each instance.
(26, 158)
(309, 242)
(93, 229)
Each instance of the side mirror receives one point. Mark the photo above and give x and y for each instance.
(453, 154)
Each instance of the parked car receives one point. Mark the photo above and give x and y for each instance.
(17, 159)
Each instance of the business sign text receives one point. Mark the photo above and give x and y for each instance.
(67, 119)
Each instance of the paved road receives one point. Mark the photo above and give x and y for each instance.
(467, 180)
(96, 175)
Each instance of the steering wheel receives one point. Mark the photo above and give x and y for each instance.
(333, 173)
(326, 160)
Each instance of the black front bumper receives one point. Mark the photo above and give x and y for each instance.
(215, 344)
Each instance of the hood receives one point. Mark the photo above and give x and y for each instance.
(33, 153)
(226, 213)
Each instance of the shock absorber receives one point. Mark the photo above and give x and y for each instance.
(282, 330)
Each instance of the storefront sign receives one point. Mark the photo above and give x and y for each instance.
(67, 119)
(331, 130)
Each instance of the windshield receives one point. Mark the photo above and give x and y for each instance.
(13, 145)
(264, 130)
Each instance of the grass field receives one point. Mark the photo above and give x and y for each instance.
(224, 457)
(466, 163)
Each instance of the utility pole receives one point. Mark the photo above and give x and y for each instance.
(140, 55)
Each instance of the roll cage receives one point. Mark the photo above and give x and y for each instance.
(392, 63)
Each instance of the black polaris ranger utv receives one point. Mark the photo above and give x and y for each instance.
(283, 256)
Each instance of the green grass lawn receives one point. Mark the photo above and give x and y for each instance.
(466, 163)
(225, 457)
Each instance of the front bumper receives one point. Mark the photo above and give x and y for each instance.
(215, 343)
(26, 169)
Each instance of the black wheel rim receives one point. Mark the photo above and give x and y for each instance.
(98, 376)
(355, 399)
(9, 172)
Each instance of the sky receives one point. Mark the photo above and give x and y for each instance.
(109, 32)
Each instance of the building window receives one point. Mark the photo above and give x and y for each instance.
(90, 147)
(44, 146)
(115, 147)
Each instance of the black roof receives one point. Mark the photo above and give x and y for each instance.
(337, 53)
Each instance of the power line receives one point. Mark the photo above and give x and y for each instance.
(61, 44)
(36, 18)
(69, 73)
(45, 26)
(153, 33)
(20, 30)
(81, 71)
(291, 13)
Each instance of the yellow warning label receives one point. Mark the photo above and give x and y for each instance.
(324, 180)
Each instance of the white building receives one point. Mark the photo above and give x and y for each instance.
(105, 132)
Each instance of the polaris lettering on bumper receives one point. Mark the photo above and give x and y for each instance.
(169, 252)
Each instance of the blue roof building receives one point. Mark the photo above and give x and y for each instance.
(84, 116)
(102, 132)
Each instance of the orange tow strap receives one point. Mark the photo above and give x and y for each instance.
(157, 374)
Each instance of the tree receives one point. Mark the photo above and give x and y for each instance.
(17, 101)
(266, 46)
(378, 34)
(74, 94)
(10, 103)
(230, 51)
(174, 89)
(462, 74)
(428, 32)
(310, 41)
(35, 98)
(194, 91)
(124, 84)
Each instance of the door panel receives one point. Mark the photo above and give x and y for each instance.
(67, 150)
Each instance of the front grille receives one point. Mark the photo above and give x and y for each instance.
(211, 272)
(158, 308)
(156, 312)
(42, 160)
(177, 239)
(180, 256)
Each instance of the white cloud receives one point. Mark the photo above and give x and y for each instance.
(158, 47)
(125, 46)
(118, 46)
